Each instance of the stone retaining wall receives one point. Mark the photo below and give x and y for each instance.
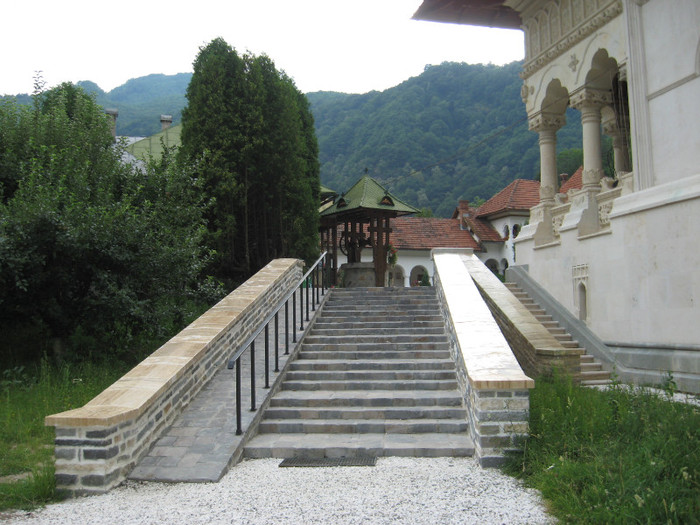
(536, 349)
(98, 445)
(494, 387)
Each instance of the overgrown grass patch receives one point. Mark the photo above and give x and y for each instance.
(27, 396)
(615, 456)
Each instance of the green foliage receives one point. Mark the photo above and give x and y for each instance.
(251, 134)
(616, 456)
(454, 132)
(27, 396)
(569, 160)
(94, 255)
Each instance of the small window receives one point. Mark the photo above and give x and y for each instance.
(516, 230)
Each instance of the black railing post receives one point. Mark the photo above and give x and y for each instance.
(252, 377)
(239, 429)
(277, 343)
(294, 317)
(286, 328)
(301, 307)
(267, 355)
(307, 298)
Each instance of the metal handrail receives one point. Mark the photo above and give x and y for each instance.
(235, 360)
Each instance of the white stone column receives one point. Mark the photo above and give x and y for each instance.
(540, 227)
(589, 102)
(583, 213)
(620, 151)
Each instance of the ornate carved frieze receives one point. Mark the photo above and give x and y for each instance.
(604, 210)
(560, 25)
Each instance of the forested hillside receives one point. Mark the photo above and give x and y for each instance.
(141, 101)
(455, 131)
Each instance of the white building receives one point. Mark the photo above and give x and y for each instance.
(621, 254)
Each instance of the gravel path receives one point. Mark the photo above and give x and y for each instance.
(397, 490)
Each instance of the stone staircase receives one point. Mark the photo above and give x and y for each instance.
(592, 372)
(374, 377)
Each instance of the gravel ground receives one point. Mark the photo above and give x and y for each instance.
(396, 490)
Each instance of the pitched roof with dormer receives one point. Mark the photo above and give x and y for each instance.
(519, 196)
(368, 194)
(425, 233)
(480, 228)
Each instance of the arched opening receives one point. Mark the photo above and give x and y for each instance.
(492, 264)
(504, 266)
(506, 232)
(516, 230)
(419, 276)
(582, 302)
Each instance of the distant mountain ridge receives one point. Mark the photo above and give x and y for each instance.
(141, 101)
(456, 131)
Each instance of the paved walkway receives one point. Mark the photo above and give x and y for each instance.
(199, 445)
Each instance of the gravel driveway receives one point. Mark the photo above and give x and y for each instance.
(396, 490)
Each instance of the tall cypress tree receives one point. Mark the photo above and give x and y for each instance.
(251, 132)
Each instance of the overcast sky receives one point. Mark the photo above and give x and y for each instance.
(352, 46)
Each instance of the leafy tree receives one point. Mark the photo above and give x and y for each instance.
(251, 132)
(93, 254)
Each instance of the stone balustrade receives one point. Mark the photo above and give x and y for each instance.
(494, 386)
(535, 348)
(98, 444)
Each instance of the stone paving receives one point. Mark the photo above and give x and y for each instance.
(201, 443)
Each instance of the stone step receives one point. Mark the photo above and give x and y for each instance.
(422, 306)
(371, 320)
(442, 384)
(366, 353)
(355, 444)
(374, 364)
(375, 339)
(376, 332)
(362, 426)
(370, 375)
(357, 413)
(588, 375)
(369, 398)
(596, 382)
(336, 324)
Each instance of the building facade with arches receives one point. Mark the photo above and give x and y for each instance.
(620, 253)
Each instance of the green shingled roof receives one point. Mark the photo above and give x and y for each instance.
(368, 194)
(153, 145)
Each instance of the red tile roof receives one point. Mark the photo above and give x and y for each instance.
(482, 229)
(422, 233)
(575, 182)
(519, 195)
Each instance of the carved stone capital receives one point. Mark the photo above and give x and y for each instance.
(590, 98)
(546, 122)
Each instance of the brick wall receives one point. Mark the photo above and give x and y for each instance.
(98, 445)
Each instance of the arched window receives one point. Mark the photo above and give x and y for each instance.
(506, 232)
(516, 230)
(582, 303)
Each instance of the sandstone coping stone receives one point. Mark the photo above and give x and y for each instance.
(536, 349)
(494, 386)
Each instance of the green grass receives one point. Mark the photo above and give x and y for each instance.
(616, 456)
(27, 395)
